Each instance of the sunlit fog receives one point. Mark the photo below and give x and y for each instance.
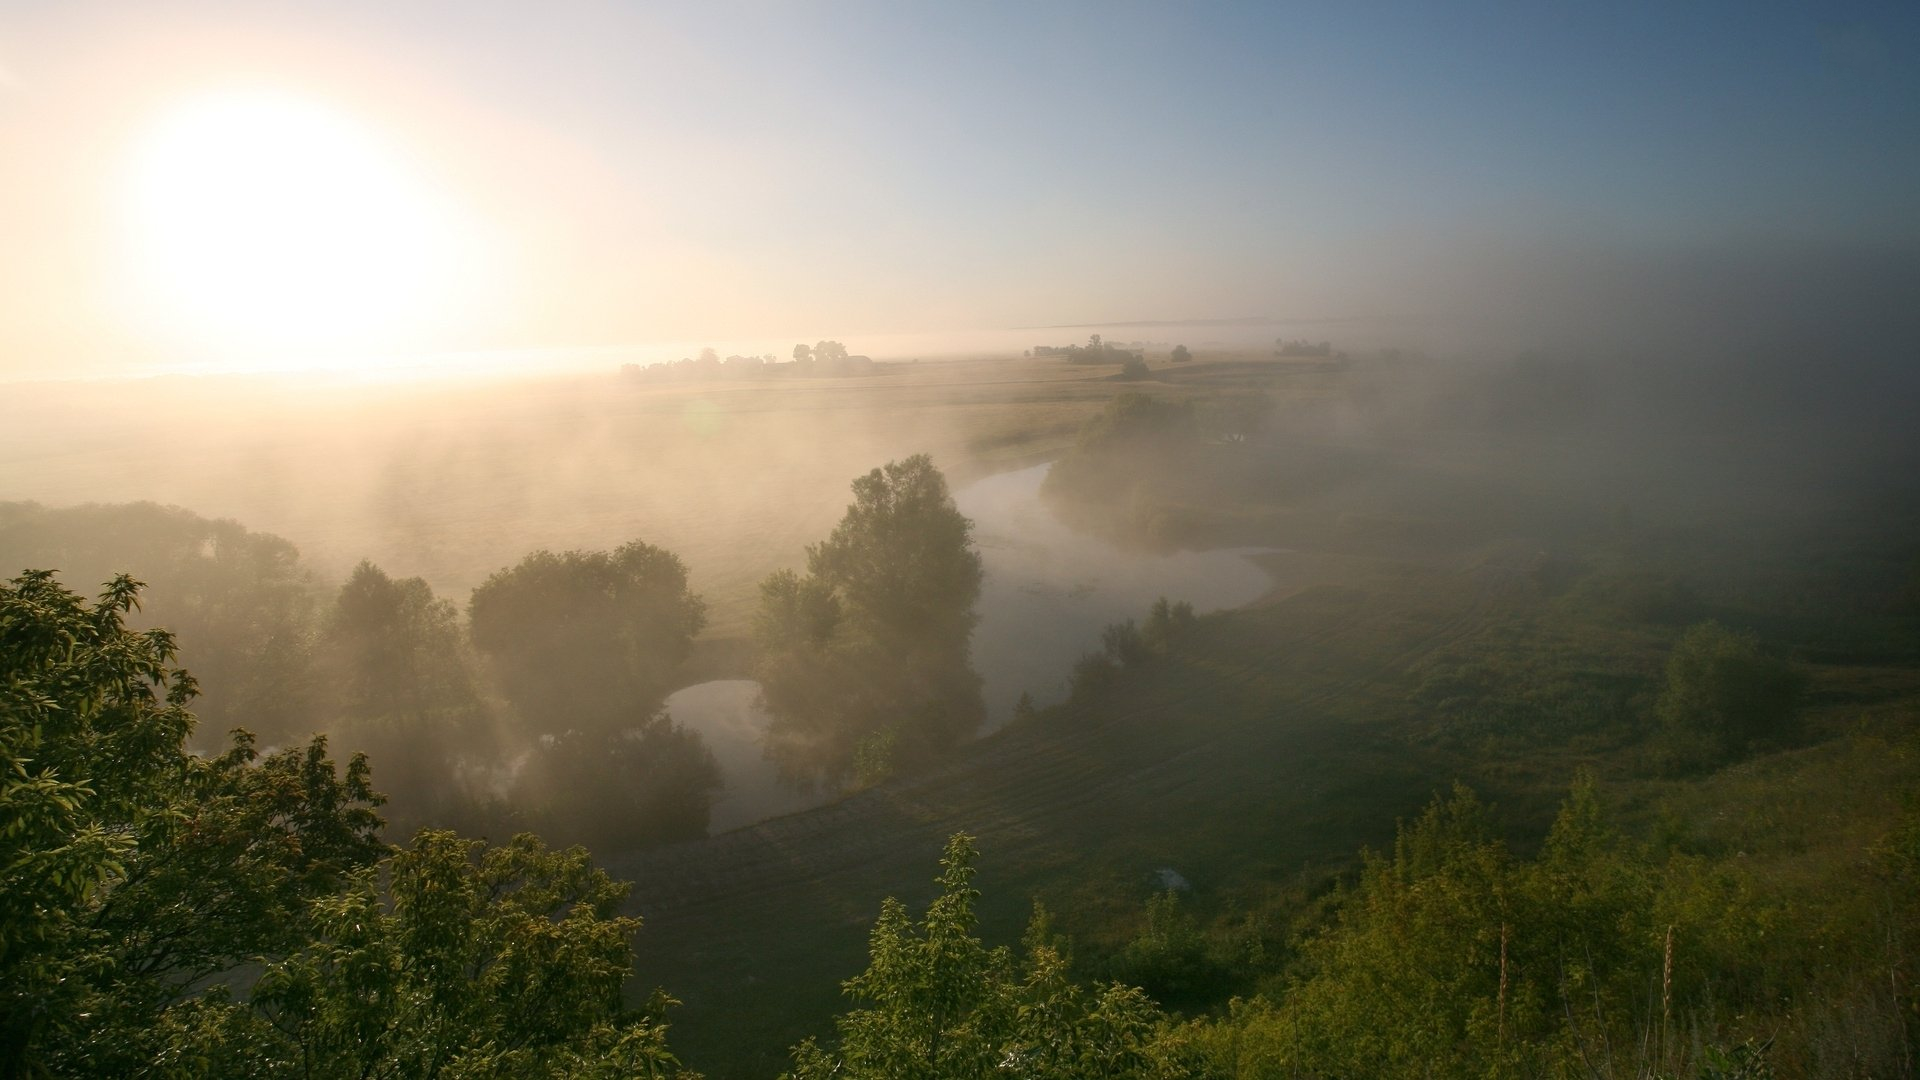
(882, 540)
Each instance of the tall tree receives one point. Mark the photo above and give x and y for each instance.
(866, 657)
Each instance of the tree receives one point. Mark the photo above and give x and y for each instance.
(587, 640)
(240, 600)
(392, 649)
(802, 353)
(471, 961)
(651, 784)
(940, 1004)
(141, 886)
(1180, 354)
(902, 558)
(393, 660)
(868, 652)
(131, 870)
(1723, 689)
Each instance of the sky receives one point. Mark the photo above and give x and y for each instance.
(184, 183)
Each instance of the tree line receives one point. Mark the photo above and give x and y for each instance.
(167, 913)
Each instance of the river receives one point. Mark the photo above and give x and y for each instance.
(1049, 592)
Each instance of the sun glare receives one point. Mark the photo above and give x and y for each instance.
(272, 226)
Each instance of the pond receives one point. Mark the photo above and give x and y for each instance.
(1049, 592)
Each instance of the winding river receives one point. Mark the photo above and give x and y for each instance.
(1049, 592)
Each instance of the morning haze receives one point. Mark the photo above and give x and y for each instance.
(659, 539)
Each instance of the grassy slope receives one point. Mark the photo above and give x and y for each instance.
(1285, 736)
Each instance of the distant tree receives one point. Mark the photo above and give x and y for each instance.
(1134, 368)
(868, 653)
(587, 640)
(829, 352)
(1722, 687)
(241, 601)
(1166, 624)
(902, 558)
(1094, 344)
(939, 1003)
(802, 353)
(391, 648)
(1180, 354)
(709, 357)
(652, 783)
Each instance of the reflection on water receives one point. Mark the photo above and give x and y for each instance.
(1049, 591)
(724, 714)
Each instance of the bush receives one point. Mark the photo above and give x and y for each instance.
(1724, 694)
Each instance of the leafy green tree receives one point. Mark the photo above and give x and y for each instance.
(472, 961)
(1724, 690)
(902, 557)
(132, 871)
(392, 649)
(241, 601)
(396, 677)
(871, 648)
(587, 640)
(940, 1005)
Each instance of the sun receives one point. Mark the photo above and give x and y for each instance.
(270, 225)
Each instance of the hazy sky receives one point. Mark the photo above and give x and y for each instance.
(499, 175)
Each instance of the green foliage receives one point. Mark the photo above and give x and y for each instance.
(1166, 624)
(391, 650)
(1169, 959)
(940, 1005)
(1724, 694)
(1124, 646)
(397, 685)
(142, 886)
(864, 662)
(472, 961)
(587, 640)
(651, 783)
(131, 870)
(1453, 958)
(240, 601)
(586, 646)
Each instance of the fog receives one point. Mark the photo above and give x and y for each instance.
(1714, 389)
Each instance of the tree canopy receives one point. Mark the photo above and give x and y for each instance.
(866, 658)
(587, 640)
(141, 886)
(939, 1005)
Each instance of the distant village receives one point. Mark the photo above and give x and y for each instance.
(826, 359)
